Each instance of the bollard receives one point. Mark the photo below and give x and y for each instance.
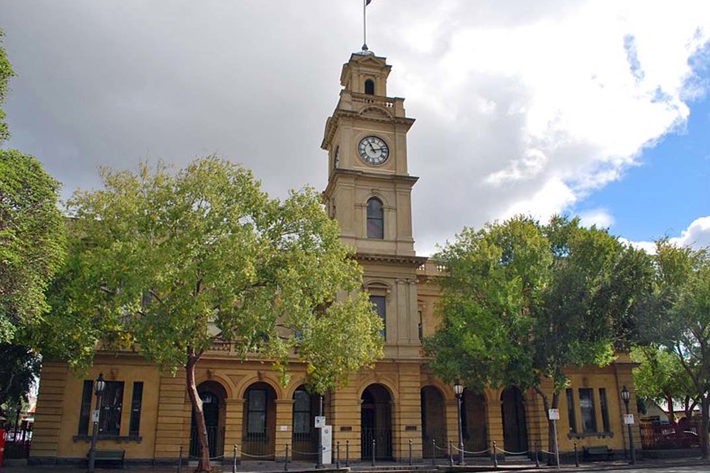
(495, 455)
(433, 452)
(347, 453)
(337, 454)
(537, 456)
(373, 452)
(451, 455)
(576, 455)
(410, 451)
(234, 459)
(179, 460)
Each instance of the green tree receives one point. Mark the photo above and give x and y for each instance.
(522, 301)
(32, 241)
(172, 261)
(18, 373)
(677, 318)
(661, 378)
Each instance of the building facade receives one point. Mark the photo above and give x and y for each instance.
(384, 411)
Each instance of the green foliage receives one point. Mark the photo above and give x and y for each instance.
(522, 301)
(32, 241)
(18, 371)
(676, 318)
(172, 262)
(660, 375)
(6, 73)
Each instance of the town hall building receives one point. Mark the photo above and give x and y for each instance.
(383, 411)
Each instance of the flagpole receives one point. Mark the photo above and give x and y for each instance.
(365, 3)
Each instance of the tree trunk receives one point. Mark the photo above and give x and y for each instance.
(203, 462)
(705, 406)
(671, 412)
(551, 438)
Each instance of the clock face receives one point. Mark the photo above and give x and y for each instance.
(373, 150)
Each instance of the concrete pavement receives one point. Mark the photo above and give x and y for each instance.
(675, 465)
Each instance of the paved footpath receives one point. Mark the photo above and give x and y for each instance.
(683, 465)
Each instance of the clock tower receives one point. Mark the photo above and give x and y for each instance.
(369, 187)
(369, 194)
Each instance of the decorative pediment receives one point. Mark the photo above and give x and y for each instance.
(373, 111)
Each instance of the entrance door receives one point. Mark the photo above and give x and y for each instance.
(212, 395)
(376, 423)
(515, 431)
(473, 414)
(305, 436)
(258, 441)
(433, 423)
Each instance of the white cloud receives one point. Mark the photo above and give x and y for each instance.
(599, 217)
(521, 106)
(697, 235)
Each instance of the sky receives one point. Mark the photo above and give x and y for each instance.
(595, 108)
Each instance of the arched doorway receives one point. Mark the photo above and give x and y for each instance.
(473, 422)
(515, 431)
(433, 422)
(305, 436)
(213, 395)
(376, 422)
(259, 422)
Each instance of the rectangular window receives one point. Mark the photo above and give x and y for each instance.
(379, 302)
(111, 408)
(85, 412)
(605, 410)
(136, 401)
(586, 405)
(571, 415)
(256, 411)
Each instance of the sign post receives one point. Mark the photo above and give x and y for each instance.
(554, 416)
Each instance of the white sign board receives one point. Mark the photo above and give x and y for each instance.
(320, 422)
(628, 419)
(554, 414)
(327, 443)
(95, 416)
(283, 428)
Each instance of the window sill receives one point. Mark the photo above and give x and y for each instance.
(117, 438)
(586, 435)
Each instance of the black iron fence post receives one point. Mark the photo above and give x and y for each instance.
(347, 453)
(179, 465)
(410, 451)
(337, 454)
(373, 451)
(495, 455)
(451, 455)
(576, 455)
(537, 455)
(433, 452)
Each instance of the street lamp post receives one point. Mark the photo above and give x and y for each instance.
(99, 386)
(458, 390)
(626, 396)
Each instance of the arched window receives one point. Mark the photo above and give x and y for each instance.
(375, 219)
(370, 87)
